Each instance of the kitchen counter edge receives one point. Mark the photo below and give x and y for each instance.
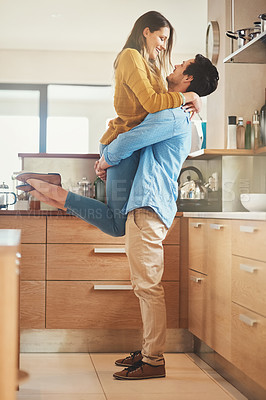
(261, 216)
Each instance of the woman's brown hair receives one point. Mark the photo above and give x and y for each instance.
(154, 21)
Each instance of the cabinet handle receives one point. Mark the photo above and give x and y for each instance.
(112, 287)
(18, 255)
(247, 268)
(110, 250)
(247, 229)
(196, 224)
(216, 226)
(248, 321)
(196, 279)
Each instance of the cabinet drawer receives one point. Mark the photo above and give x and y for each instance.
(249, 284)
(79, 305)
(197, 315)
(74, 230)
(173, 235)
(32, 304)
(33, 229)
(249, 239)
(32, 266)
(248, 343)
(86, 262)
(171, 262)
(197, 253)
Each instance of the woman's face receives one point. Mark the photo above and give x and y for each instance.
(156, 41)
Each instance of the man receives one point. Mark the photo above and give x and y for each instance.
(151, 207)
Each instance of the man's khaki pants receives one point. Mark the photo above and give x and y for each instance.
(144, 235)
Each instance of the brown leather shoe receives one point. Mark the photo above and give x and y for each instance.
(134, 358)
(53, 178)
(25, 188)
(141, 370)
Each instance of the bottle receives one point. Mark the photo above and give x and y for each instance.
(248, 135)
(231, 132)
(99, 186)
(255, 131)
(240, 134)
(263, 123)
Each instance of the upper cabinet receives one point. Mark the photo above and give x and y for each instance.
(254, 52)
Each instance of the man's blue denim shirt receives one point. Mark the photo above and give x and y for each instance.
(165, 141)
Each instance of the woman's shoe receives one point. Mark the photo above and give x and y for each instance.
(25, 188)
(52, 178)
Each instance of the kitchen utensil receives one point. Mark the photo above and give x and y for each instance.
(85, 187)
(241, 35)
(263, 22)
(254, 201)
(5, 196)
(189, 185)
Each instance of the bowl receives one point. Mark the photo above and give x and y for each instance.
(254, 201)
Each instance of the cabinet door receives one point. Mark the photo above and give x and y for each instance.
(32, 264)
(248, 343)
(219, 278)
(249, 238)
(32, 304)
(74, 230)
(197, 306)
(173, 235)
(249, 278)
(197, 247)
(104, 304)
(33, 229)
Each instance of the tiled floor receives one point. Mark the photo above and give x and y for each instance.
(74, 376)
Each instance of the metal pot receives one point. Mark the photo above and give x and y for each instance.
(263, 22)
(241, 35)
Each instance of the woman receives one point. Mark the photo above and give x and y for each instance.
(139, 90)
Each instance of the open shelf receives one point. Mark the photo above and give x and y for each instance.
(254, 52)
(207, 154)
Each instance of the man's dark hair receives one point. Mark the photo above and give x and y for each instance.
(205, 76)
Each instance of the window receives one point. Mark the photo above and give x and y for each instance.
(67, 135)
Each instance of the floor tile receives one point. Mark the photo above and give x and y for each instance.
(184, 378)
(40, 396)
(59, 373)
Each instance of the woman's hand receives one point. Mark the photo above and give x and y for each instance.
(100, 167)
(193, 102)
(101, 173)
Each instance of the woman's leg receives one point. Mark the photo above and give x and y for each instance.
(107, 217)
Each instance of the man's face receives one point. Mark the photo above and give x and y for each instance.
(177, 77)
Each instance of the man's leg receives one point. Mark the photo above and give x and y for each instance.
(144, 235)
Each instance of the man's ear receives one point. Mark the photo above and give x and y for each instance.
(188, 78)
(146, 31)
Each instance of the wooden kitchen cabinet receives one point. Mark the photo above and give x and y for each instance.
(32, 267)
(79, 256)
(32, 304)
(100, 304)
(63, 258)
(210, 282)
(197, 257)
(219, 278)
(249, 299)
(198, 303)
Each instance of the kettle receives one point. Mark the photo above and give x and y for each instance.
(192, 189)
(6, 196)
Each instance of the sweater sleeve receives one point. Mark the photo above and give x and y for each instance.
(133, 72)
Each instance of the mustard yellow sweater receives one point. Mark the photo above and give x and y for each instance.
(137, 93)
